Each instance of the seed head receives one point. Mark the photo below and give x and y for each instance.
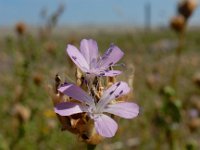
(178, 23)
(20, 28)
(187, 7)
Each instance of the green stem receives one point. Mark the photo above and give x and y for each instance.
(91, 147)
(178, 54)
(170, 139)
(20, 134)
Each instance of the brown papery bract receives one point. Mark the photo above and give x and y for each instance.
(20, 28)
(178, 23)
(187, 7)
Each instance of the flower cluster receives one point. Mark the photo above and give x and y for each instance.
(95, 104)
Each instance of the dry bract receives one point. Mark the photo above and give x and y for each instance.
(177, 23)
(187, 7)
(20, 28)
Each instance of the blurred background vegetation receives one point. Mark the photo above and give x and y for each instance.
(162, 64)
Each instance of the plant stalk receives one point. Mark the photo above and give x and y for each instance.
(91, 147)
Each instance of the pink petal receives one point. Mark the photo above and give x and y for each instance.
(126, 110)
(77, 58)
(116, 90)
(105, 126)
(76, 93)
(89, 50)
(68, 108)
(110, 57)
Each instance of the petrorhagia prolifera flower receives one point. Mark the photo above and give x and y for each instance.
(86, 106)
(104, 124)
(88, 60)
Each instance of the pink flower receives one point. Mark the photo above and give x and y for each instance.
(104, 124)
(88, 60)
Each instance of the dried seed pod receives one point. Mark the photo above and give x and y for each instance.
(37, 78)
(21, 112)
(186, 8)
(20, 28)
(178, 23)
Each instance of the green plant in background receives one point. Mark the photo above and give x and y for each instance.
(169, 117)
(179, 23)
(50, 21)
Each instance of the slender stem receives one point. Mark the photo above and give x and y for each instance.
(91, 147)
(174, 79)
(178, 54)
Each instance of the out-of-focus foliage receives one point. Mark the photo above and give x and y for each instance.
(28, 66)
